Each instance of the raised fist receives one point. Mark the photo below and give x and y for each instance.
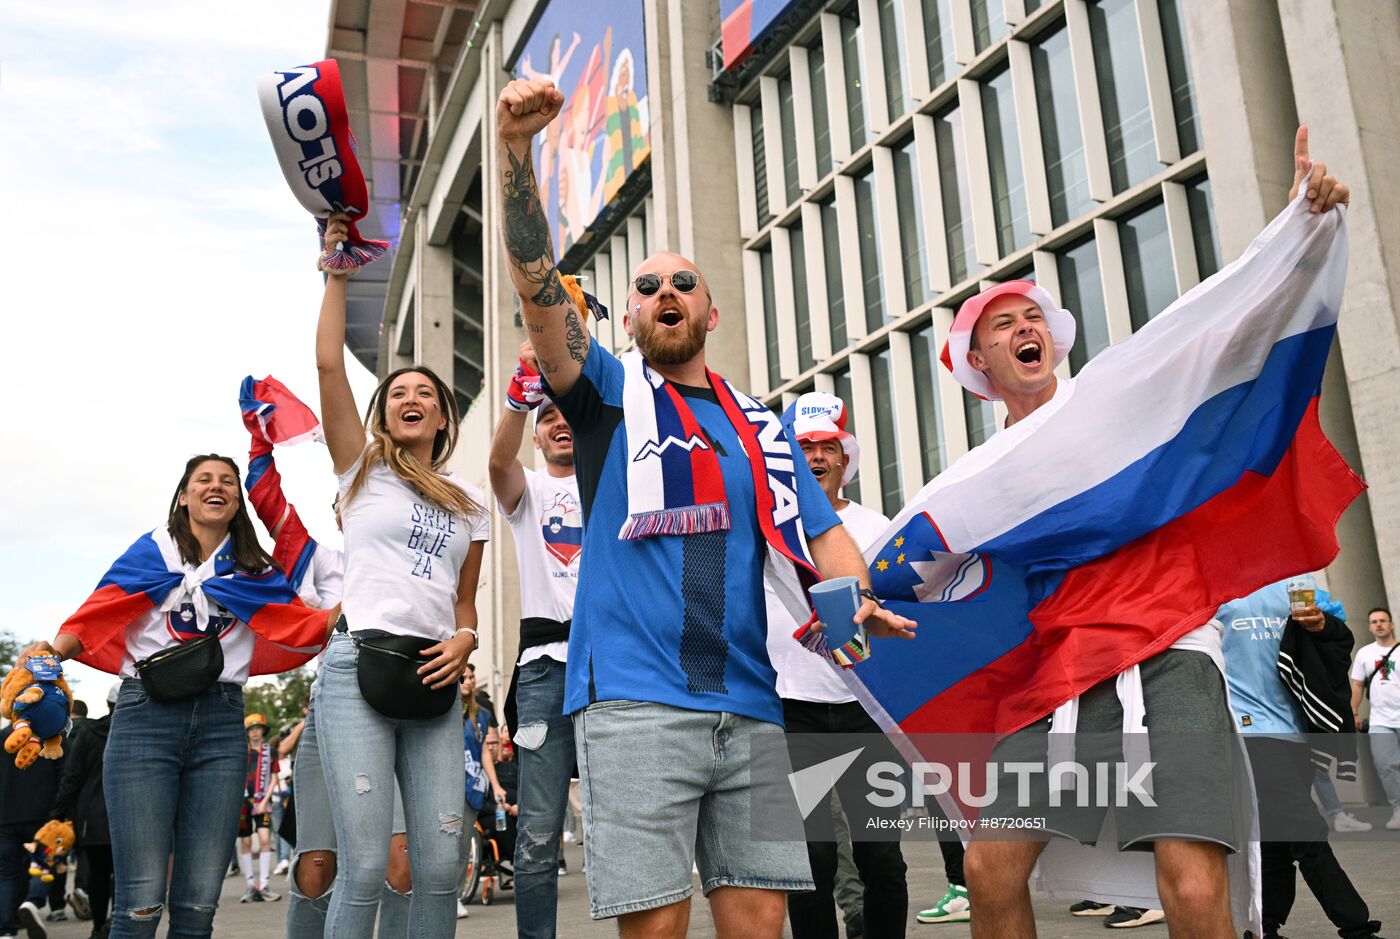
(525, 107)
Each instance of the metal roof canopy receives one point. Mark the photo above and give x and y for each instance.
(395, 57)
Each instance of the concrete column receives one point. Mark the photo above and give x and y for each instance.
(1347, 99)
(432, 309)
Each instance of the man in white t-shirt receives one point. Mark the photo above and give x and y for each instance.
(1374, 673)
(544, 513)
(817, 701)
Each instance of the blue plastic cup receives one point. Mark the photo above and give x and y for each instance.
(836, 602)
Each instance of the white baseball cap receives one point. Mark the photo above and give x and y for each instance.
(822, 416)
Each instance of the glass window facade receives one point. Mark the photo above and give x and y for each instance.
(853, 57)
(957, 203)
(788, 122)
(841, 382)
(873, 290)
(1081, 292)
(800, 298)
(1147, 265)
(1188, 122)
(981, 419)
(831, 257)
(988, 23)
(925, 355)
(1122, 80)
(821, 117)
(1061, 137)
(938, 41)
(760, 166)
(911, 224)
(770, 316)
(1004, 161)
(1203, 227)
(891, 492)
(892, 45)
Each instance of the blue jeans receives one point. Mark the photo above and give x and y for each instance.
(16, 885)
(173, 777)
(1326, 791)
(544, 744)
(362, 751)
(1385, 753)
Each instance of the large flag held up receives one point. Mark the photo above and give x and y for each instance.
(1181, 468)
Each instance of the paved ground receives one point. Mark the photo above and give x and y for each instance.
(1373, 867)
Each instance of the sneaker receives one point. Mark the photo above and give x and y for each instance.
(569, 837)
(78, 900)
(28, 916)
(1129, 917)
(250, 896)
(1345, 821)
(563, 869)
(952, 908)
(282, 867)
(1394, 823)
(268, 896)
(462, 911)
(1091, 908)
(56, 916)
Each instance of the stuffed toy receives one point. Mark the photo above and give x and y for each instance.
(48, 852)
(35, 696)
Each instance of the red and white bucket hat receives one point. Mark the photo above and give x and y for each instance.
(1059, 321)
(821, 416)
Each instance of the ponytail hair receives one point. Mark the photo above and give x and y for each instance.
(248, 554)
(405, 465)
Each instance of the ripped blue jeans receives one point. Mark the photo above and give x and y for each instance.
(362, 751)
(173, 779)
(544, 745)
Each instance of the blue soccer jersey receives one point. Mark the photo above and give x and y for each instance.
(678, 619)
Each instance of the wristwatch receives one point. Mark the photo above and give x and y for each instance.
(869, 594)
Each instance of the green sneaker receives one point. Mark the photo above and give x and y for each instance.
(953, 908)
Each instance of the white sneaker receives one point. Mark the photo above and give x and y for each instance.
(569, 837)
(1394, 823)
(1345, 821)
(282, 867)
(462, 911)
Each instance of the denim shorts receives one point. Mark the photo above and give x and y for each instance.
(665, 789)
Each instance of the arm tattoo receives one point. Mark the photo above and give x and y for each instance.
(575, 339)
(527, 232)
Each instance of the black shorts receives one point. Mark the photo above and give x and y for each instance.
(250, 820)
(1191, 748)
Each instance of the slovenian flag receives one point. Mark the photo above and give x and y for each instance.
(1180, 469)
(273, 415)
(287, 633)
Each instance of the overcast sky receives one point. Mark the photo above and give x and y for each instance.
(152, 256)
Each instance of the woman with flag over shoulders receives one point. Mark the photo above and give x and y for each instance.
(387, 698)
(184, 616)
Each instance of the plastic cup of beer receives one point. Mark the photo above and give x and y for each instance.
(1302, 592)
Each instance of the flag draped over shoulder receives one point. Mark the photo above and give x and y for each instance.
(273, 415)
(286, 633)
(1181, 468)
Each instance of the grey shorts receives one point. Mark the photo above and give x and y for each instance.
(665, 789)
(1191, 745)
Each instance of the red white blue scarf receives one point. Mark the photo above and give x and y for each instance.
(675, 485)
(304, 108)
(273, 415)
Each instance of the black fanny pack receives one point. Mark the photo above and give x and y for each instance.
(387, 669)
(183, 671)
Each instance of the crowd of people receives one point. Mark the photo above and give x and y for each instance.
(662, 542)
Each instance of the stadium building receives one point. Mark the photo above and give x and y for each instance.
(847, 172)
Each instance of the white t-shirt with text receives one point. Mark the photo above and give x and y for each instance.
(548, 528)
(403, 555)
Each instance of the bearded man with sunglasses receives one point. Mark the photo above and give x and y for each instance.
(689, 490)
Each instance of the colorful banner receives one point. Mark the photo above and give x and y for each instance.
(743, 24)
(595, 52)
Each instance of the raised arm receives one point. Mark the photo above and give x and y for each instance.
(522, 397)
(340, 420)
(555, 328)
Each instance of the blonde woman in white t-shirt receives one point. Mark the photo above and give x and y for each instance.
(413, 544)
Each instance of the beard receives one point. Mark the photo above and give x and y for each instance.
(670, 346)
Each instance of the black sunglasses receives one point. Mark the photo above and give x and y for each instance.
(683, 281)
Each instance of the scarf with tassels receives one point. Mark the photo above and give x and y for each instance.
(304, 108)
(675, 485)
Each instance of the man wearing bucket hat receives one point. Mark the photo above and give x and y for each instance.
(255, 824)
(1004, 345)
(545, 517)
(816, 700)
